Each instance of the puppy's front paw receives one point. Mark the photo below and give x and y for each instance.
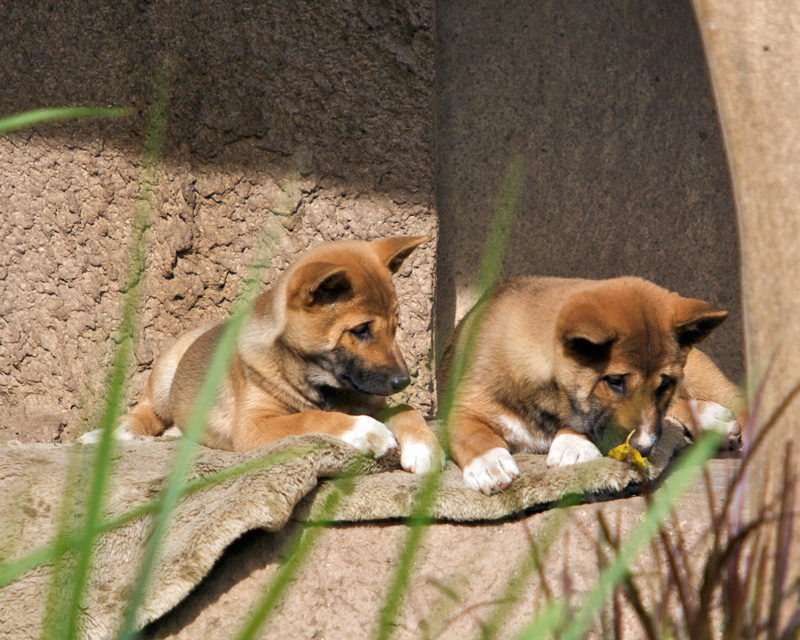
(422, 457)
(491, 472)
(370, 436)
(570, 448)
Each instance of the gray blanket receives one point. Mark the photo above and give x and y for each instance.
(292, 483)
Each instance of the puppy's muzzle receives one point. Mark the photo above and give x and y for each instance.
(379, 383)
(644, 442)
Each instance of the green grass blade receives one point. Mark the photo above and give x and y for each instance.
(63, 566)
(503, 220)
(192, 434)
(37, 116)
(115, 389)
(183, 459)
(417, 526)
(554, 616)
(488, 273)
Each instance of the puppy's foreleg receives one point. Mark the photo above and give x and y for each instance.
(364, 433)
(420, 451)
(482, 455)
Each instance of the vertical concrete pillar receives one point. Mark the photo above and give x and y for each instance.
(753, 50)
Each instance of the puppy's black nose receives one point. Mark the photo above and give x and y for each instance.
(645, 450)
(399, 382)
(644, 441)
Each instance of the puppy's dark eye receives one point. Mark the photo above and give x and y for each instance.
(615, 383)
(362, 331)
(667, 385)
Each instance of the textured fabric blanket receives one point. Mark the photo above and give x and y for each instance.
(280, 482)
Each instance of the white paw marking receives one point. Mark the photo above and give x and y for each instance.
(713, 416)
(418, 457)
(491, 472)
(94, 436)
(370, 436)
(569, 448)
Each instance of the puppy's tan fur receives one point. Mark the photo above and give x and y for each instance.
(570, 357)
(316, 354)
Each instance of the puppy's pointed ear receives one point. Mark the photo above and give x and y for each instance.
(583, 334)
(319, 283)
(393, 251)
(694, 320)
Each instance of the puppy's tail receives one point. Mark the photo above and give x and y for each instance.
(143, 421)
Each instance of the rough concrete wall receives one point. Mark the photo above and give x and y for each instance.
(611, 107)
(317, 115)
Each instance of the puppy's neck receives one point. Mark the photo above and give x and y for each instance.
(267, 361)
(277, 373)
(264, 322)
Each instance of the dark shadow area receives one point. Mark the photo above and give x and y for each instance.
(255, 551)
(350, 81)
(611, 106)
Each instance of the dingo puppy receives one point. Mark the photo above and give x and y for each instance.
(558, 362)
(316, 354)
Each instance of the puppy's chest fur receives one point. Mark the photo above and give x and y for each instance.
(347, 401)
(522, 437)
(529, 419)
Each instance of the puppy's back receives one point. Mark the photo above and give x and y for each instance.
(517, 327)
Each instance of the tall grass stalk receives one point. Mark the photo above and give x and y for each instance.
(142, 219)
(192, 434)
(488, 273)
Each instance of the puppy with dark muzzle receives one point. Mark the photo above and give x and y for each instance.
(316, 354)
(561, 366)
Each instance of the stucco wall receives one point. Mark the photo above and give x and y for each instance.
(317, 115)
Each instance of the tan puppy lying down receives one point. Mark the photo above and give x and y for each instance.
(561, 366)
(316, 354)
